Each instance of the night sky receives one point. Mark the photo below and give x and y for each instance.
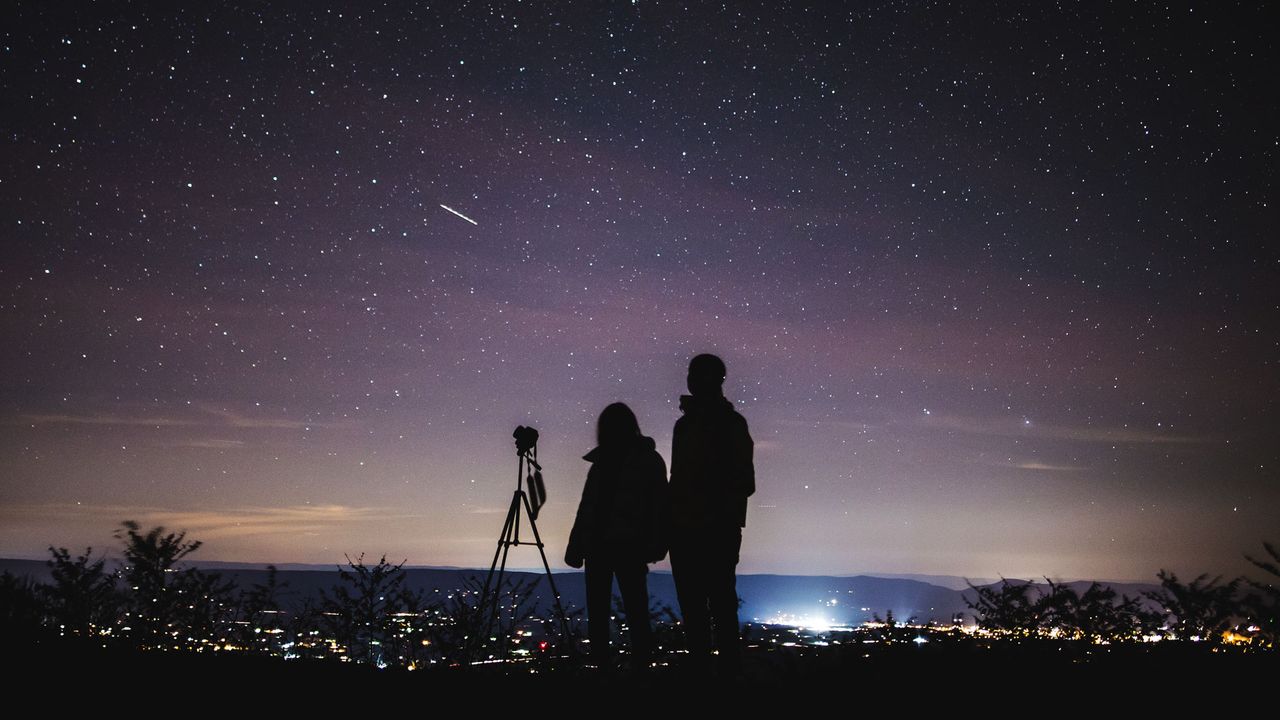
(996, 286)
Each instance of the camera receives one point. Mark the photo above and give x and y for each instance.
(526, 438)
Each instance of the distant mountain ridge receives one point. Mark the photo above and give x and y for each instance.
(953, 582)
(814, 600)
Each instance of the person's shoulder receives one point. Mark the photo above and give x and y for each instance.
(653, 459)
(734, 416)
(646, 455)
(644, 447)
(738, 424)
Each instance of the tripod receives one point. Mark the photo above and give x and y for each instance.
(527, 453)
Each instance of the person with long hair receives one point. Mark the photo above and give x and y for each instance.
(619, 529)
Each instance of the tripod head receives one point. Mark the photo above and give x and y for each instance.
(527, 450)
(526, 442)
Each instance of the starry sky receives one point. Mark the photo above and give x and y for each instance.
(992, 284)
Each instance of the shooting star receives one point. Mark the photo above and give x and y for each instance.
(455, 212)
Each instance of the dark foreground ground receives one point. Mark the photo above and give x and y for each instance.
(990, 677)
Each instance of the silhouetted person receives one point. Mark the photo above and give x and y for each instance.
(619, 529)
(712, 474)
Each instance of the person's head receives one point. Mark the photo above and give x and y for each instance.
(617, 425)
(706, 375)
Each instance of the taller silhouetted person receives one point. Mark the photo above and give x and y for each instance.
(712, 474)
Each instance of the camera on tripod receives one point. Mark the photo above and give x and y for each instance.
(527, 449)
(526, 439)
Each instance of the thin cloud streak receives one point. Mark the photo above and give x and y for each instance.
(211, 444)
(213, 417)
(213, 524)
(237, 420)
(1022, 429)
(1032, 465)
(62, 419)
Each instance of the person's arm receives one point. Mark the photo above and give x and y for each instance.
(575, 552)
(656, 544)
(744, 451)
(677, 449)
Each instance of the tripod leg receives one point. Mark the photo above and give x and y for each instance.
(506, 529)
(502, 539)
(497, 599)
(490, 592)
(555, 594)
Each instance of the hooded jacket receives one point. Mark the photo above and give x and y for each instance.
(621, 514)
(712, 471)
